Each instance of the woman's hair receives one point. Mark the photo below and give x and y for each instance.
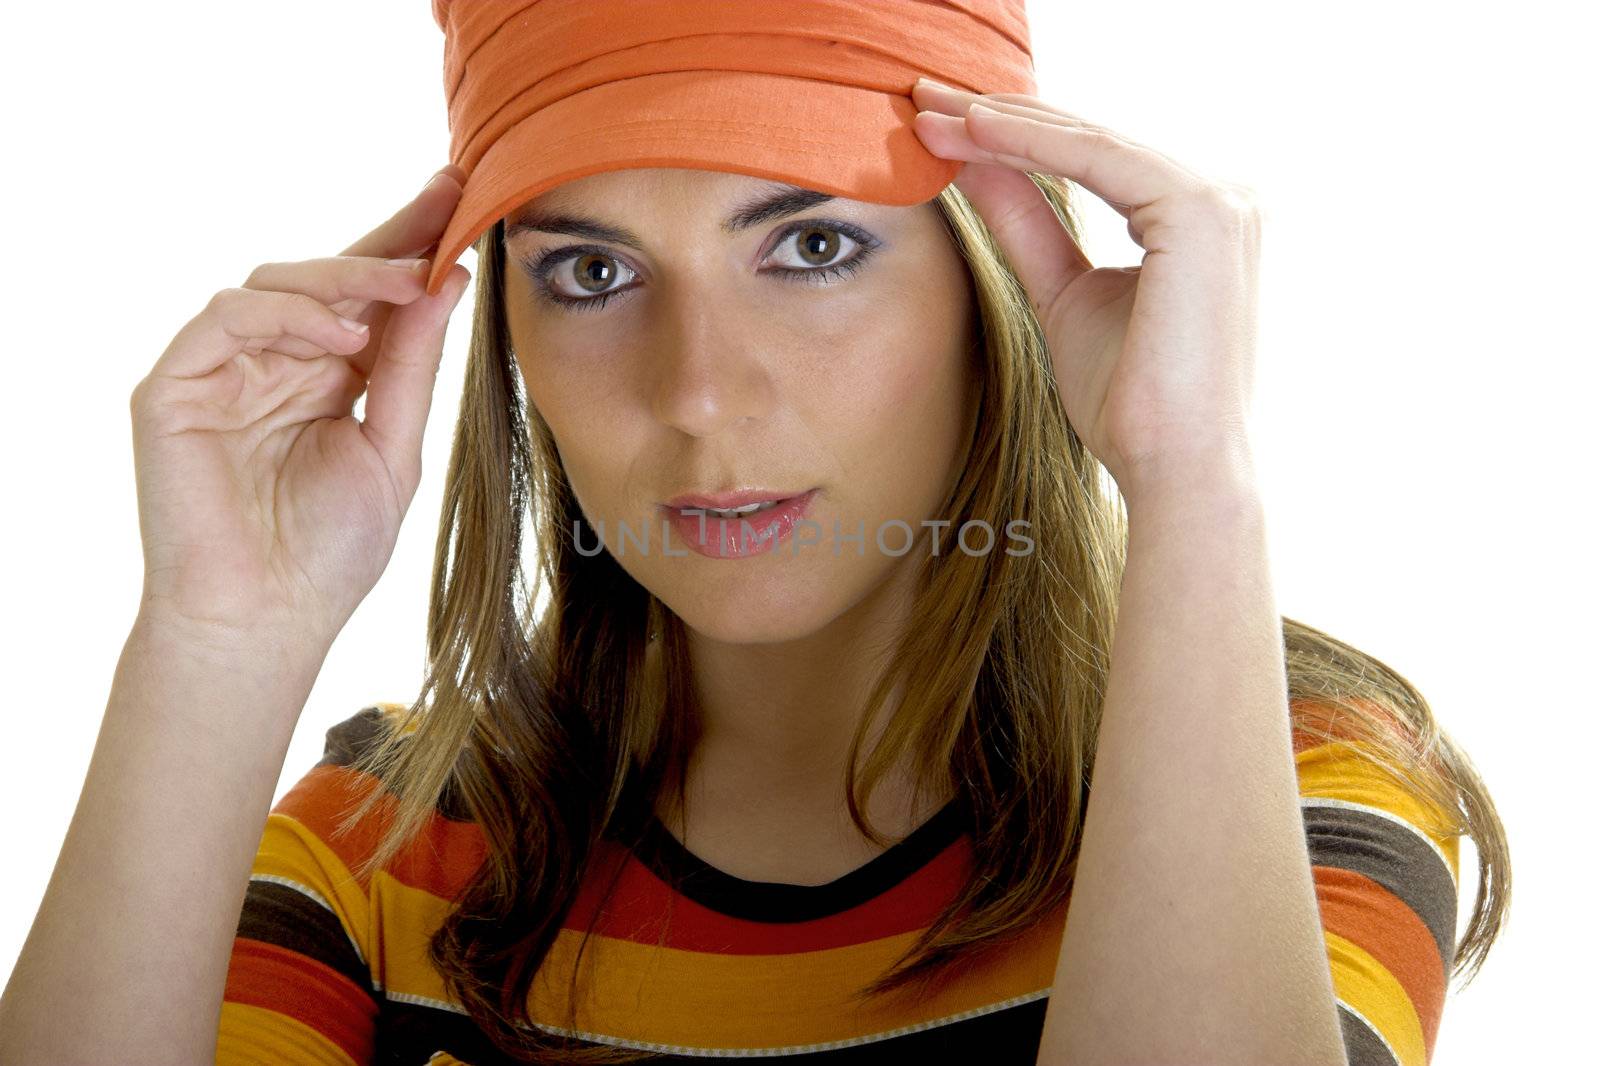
(558, 727)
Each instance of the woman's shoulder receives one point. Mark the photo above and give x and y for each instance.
(353, 738)
(332, 788)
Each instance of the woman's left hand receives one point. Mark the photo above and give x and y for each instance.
(1155, 362)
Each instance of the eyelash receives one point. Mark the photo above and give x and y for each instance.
(866, 245)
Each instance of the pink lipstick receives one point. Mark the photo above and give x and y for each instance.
(736, 525)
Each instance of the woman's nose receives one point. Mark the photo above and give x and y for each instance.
(710, 378)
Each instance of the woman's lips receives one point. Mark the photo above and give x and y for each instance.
(743, 535)
(727, 501)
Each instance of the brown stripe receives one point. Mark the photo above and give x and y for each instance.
(346, 740)
(277, 914)
(1393, 856)
(1361, 1045)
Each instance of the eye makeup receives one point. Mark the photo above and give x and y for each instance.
(541, 267)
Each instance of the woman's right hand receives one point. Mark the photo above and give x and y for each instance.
(264, 504)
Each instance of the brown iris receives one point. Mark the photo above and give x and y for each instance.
(594, 272)
(811, 238)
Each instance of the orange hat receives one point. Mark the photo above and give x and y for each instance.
(813, 92)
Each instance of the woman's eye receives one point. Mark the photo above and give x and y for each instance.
(591, 276)
(816, 246)
(586, 278)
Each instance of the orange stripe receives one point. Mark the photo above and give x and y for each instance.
(438, 860)
(1337, 720)
(276, 979)
(1376, 920)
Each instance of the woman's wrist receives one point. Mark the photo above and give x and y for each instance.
(1222, 478)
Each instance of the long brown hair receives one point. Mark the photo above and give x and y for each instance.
(554, 727)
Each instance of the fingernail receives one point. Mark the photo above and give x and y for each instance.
(436, 179)
(405, 264)
(352, 325)
(932, 83)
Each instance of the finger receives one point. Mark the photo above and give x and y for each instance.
(939, 100)
(376, 315)
(947, 136)
(1039, 249)
(953, 101)
(413, 230)
(400, 389)
(1033, 107)
(950, 101)
(248, 321)
(1124, 175)
(353, 281)
(1031, 102)
(356, 287)
(296, 348)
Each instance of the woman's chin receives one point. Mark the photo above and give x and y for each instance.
(767, 608)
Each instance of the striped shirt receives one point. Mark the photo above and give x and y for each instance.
(330, 970)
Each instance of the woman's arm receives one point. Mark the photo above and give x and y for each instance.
(267, 513)
(1193, 933)
(129, 952)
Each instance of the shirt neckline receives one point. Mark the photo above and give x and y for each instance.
(773, 901)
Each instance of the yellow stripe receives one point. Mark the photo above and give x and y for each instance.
(283, 853)
(409, 918)
(1335, 771)
(706, 999)
(1367, 986)
(669, 996)
(254, 1036)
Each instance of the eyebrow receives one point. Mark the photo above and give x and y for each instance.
(778, 202)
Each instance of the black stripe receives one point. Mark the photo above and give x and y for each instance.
(408, 1034)
(1361, 1045)
(771, 901)
(280, 915)
(1391, 855)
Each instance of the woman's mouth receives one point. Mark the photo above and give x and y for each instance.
(737, 530)
(737, 512)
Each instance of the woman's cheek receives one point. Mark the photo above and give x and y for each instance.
(578, 389)
(838, 344)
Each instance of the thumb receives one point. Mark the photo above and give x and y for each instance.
(1039, 249)
(400, 388)
(412, 230)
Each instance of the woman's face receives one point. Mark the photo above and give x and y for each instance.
(690, 362)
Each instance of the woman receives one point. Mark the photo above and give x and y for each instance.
(796, 791)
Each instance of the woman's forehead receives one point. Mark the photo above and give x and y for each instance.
(686, 185)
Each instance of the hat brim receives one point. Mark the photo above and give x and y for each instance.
(839, 139)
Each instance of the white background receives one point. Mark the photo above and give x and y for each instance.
(1424, 398)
